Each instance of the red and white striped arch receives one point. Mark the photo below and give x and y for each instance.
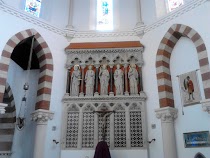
(45, 62)
(165, 49)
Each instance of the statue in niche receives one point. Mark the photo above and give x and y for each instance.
(75, 81)
(104, 80)
(89, 80)
(133, 79)
(118, 80)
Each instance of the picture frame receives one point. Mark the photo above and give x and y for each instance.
(189, 88)
(196, 139)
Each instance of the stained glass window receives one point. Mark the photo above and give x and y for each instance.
(104, 15)
(33, 7)
(173, 4)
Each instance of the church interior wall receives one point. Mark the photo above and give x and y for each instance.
(194, 118)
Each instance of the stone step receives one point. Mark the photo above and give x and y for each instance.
(5, 146)
(6, 138)
(7, 120)
(7, 125)
(7, 131)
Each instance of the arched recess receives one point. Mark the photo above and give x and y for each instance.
(45, 62)
(165, 49)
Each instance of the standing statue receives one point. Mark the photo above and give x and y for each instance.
(75, 81)
(118, 80)
(104, 80)
(133, 79)
(89, 79)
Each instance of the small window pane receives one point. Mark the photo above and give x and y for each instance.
(104, 15)
(173, 4)
(33, 7)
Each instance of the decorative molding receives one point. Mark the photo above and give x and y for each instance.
(30, 18)
(42, 116)
(2, 108)
(176, 13)
(68, 98)
(166, 114)
(206, 105)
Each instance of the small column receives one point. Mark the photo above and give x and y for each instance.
(128, 134)
(69, 28)
(126, 79)
(206, 105)
(96, 81)
(95, 129)
(111, 93)
(68, 82)
(111, 132)
(79, 141)
(82, 81)
(139, 28)
(167, 116)
(41, 118)
(2, 108)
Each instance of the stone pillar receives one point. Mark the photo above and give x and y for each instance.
(82, 81)
(167, 116)
(206, 105)
(96, 81)
(111, 132)
(2, 108)
(139, 28)
(79, 141)
(111, 93)
(69, 28)
(41, 118)
(95, 129)
(128, 132)
(126, 79)
(68, 81)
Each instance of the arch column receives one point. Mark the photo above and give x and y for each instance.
(2, 108)
(41, 118)
(167, 116)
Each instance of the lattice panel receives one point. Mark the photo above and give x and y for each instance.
(88, 130)
(107, 131)
(119, 129)
(136, 129)
(72, 129)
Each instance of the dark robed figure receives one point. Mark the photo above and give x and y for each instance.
(102, 150)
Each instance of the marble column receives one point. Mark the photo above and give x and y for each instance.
(82, 81)
(139, 28)
(206, 105)
(96, 81)
(68, 81)
(95, 129)
(41, 118)
(2, 108)
(111, 93)
(126, 79)
(79, 141)
(167, 116)
(128, 132)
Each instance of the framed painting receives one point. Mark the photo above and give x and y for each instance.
(189, 88)
(196, 139)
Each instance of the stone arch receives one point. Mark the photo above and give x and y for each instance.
(45, 62)
(165, 49)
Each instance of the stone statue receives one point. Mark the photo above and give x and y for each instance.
(118, 80)
(104, 80)
(89, 79)
(75, 81)
(133, 79)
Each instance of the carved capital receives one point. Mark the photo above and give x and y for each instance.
(2, 108)
(69, 32)
(167, 114)
(42, 116)
(139, 29)
(206, 105)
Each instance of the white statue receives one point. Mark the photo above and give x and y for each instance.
(133, 79)
(75, 81)
(89, 79)
(104, 80)
(118, 80)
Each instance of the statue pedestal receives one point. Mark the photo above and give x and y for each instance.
(111, 94)
(96, 94)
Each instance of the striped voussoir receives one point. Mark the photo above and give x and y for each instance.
(7, 121)
(165, 49)
(45, 61)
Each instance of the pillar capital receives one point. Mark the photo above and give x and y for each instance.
(206, 105)
(166, 114)
(2, 108)
(42, 116)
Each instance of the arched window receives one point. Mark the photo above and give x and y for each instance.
(33, 7)
(173, 4)
(104, 15)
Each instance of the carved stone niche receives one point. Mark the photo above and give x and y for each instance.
(116, 69)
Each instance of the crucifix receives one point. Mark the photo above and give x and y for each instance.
(104, 113)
